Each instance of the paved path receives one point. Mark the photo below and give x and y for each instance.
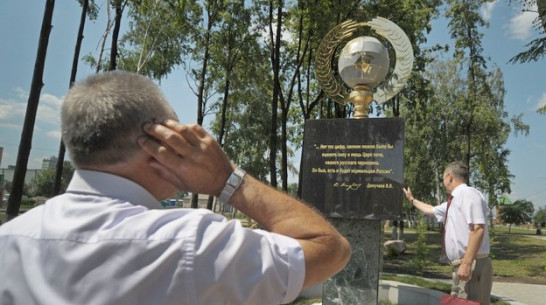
(520, 294)
(516, 293)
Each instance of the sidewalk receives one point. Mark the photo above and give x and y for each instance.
(520, 294)
(517, 293)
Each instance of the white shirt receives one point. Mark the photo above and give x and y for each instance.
(468, 207)
(108, 241)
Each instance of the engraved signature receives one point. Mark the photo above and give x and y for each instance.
(348, 187)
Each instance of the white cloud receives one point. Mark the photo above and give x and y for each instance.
(521, 24)
(56, 134)
(49, 109)
(13, 111)
(10, 126)
(541, 101)
(487, 10)
(10, 109)
(21, 93)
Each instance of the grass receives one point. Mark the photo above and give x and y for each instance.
(517, 256)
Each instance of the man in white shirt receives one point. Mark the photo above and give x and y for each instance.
(466, 239)
(107, 240)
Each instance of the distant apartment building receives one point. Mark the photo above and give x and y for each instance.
(6, 174)
(50, 162)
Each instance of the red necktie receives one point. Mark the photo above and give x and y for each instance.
(449, 198)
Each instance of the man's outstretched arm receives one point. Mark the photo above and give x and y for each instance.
(422, 206)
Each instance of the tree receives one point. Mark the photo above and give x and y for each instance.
(540, 220)
(46, 179)
(233, 45)
(455, 109)
(98, 64)
(464, 27)
(14, 201)
(119, 6)
(520, 212)
(158, 36)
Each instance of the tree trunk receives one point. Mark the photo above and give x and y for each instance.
(104, 36)
(201, 87)
(275, 62)
(284, 152)
(60, 157)
(25, 145)
(401, 228)
(210, 201)
(194, 200)
(224, 112)
(115, 34)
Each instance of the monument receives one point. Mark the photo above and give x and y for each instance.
(353, 168)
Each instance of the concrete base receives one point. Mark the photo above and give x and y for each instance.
(405, 294)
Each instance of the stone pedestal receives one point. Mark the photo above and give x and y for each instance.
(353, 172)
(358, 282)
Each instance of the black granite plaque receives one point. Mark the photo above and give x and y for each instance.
(354, 168)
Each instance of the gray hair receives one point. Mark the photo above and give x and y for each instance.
(102, 116)
(459, 170)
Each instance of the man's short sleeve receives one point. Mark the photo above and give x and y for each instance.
(440, 212)
(235, 265)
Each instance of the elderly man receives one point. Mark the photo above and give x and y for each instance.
(108, 241)
(466, 238)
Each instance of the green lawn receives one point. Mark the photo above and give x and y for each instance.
(517, 256)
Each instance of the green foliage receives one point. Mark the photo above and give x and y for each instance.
(158, 36)
(92, 9)
(27, 203)
(540, 218)
(518, 213)
(46, 179)
(421, 251)
(542, 110)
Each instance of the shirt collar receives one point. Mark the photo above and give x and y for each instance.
(104, 184)
(458, 189)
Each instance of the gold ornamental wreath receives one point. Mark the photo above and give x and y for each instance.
(382, 27)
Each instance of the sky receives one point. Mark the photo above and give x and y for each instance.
(20, 22)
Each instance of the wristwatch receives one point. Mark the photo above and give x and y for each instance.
(232, 184)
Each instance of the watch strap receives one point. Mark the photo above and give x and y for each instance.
(232, 184)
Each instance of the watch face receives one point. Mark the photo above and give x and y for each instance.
(233, 180)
